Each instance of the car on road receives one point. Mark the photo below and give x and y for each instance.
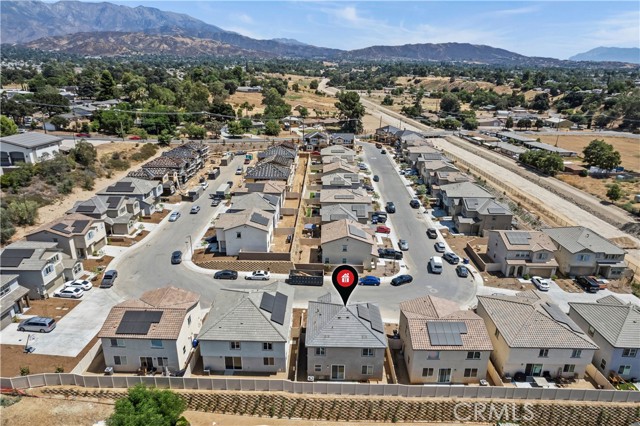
(258, 275)
(541, 284)
(69, 293)
(376, 178)
(403, 245)
(432, 233)
(37, 324)
(135, 138)
(415, 203)
(369, 280)
(435, 265)
(176, 257)
(226, 274)
(450, 257)
(440, 247)
(109, 278)
(239, 171)
(368, 188)
(462, 271)
(401, 279)
(379, 217)
(589, 284)
(383, 151)
(362, 166)
(204, 185)
(383, 229)
(215, 202)
(390, 254)
(195, 209)
(174, 216)
(390, 207)
(83, 135)
(81, 284)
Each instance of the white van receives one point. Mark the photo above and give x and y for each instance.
(435, 265)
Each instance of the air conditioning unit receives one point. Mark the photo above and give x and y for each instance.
(311, 378)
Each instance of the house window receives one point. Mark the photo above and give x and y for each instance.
(238, 234)
(367, 370)
(583, 257)
(427, 372)
(320, 351)
(235, 346)
(367, 352)
(433, 354)
(344, 247)
(624, 369)
(163, 362)
(55, 240)
(470, 372)
(268, 361)
(543, 353)
(592, 331)
(603, 364)
(120, 360)
(267, 346)
(493, 218)
(117, 343)
(344, 260)
(629, 353)
(542, 256)
(184, 349)
(473, 355)
(48, 269)
(189, 320)
(568, 368)
(576, 353)
(90, 235)
(317, 368)
(497, 334)
(156, 343)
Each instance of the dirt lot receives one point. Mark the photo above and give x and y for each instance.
(126, 241)
(599, 187)
(53, 307)
(156, 217)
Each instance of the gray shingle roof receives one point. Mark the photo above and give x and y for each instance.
(524, 322)
(30, 139)
(338, 211)
(260, 201)
(140, 187)
(336, 326)
(278, 150)
(94, 205)
(236, 315)
(578, 238)
(344, 136)
(268, 171)
(617, 322)
(464, 190)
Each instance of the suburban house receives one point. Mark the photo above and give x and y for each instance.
(147, 192)
(408, 138)
(344, 342)
(451, 196)
(341, 180)
(345, 196)
(268, 170)
(428, 168)
(615, 327)
(290, 120)
(582, 251)
(480, 215)
(278, 150)
(77, 235)
(412, 153)
(119, 213)
(316, 140)
(246, 230)
(533, 336)
(441, 343)
(440, 178)
(168, 177)
(40, 266)
(29, 147)
(558, 123)
(341, 152)
(192, 161)
(347, 241)
(267, 187)
(386, 134)
(357, 212)
(520, 253)
(152, 333)
(338, 166)
(265, 202)
(344, 139)
(14, 298)
(176, 168)
(248, 330)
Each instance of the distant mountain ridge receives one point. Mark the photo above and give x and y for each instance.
(613, 54)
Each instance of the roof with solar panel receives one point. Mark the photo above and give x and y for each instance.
(262, 315)
(338, 326)
(68, 226)
(345, 228)
(253, 217)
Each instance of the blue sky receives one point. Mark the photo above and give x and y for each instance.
(547, 28)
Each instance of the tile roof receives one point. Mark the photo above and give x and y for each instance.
(278, 159)
(149, 173)
(266, 202)
(341, 179)
(253, 217)
(278, 150)
(30, 139)
(165, 162)
(337, 150)
(272, 187)
(525, 240)
(236, 316)
(344, 196)
(617, 322)
(339, 166)
(94, 205)
(68, 226)
(485, 206)
(182, 151)
(337, 326)
(451, 177)
(345, 228)
(339, 211)
(465, 190)
(344, 136)
(578, 238)
(140, 187)
(435, 165)
(422, 149)
(388, 129)
(419, 312)
(524, 322)
(174, 303)
(268, 171)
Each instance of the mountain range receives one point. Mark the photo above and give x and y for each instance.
(107, 29)
(617, 54)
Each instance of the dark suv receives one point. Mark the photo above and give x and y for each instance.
(432, 233)
(589, 284)
(390, 254)
(390, 207)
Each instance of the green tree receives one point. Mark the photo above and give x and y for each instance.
(214, 127)
(539, 124)
(59, 122)
(194, 131)
(303, 111)
(165, 137)
(524, 123)
(271, 128)
(295, 87)
(313, 85)
(7, 126)
(234, 128)
(6, 227)
(601, 154)
(615, 192)
(147, 406)
(84, 153)
(470, 123)
(540, 102)
(509, 123)
(450, 124)
(350, 109)
(450, 103)
(387, 101)
(106, 86)
(23, 212)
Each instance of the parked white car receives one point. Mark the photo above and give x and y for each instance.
(69, 293)
(542, 284)
(259, 275)
(81, 284)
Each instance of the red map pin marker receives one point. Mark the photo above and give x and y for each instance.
(345, 279)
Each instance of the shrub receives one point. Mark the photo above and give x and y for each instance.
(25, 371)
(23, 212)
(6, 227)
(59, 369)
(65, 186)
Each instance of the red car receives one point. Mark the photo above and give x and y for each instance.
(134, 138)
(315, 153)
(83, 135)
(383, 229)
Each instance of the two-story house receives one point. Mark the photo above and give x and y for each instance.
(479, 215)
(265, 202)
(343, 139)
(29, 147)
(522, 253)
(267, 187)
(176, 168)
(147, 192)
(412, 153)
(615, 327)
(168, 177)
(316, 140)
(193, 160)
(77, 235)
(347, 241)
(40, 266)
(533, 336)
(386, 134)
(14, 298)
(278, 150)
(268, 171)
(451, 196)
(248, 330)
(582, 251)
(356, 200)
(354, 212)
(119, 213)
(245, 230)
(345, 342)
(427, 170)
(338, 166)
(341, 180)
(152, 333)
(343, 153)
(441, 343)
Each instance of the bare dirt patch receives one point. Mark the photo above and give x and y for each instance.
(156, 217)
(53, 307)
(128, 241)
(599, 187)
(497, 280)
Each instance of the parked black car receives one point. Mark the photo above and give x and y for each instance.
(462, 271)
(226, 274)
(390, 207)
(452, 258)
(176, 257)
(432, 233)
(389, 254)
(414, 203)
(401, 279)
(589, 284)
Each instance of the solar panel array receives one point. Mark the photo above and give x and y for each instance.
(275, 305)
(86, 209)
(375, 318)
(79, 225)
(112, 202)
(555, 313)
(259, 219)
(354, 230)
(121, 187)
(61, 227)
(138, 322)
(13, 257)
(266, 303)
(344, 197)
(363, 312)
(445, 333)
(518, 238)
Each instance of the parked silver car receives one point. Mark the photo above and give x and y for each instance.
(37, 324)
